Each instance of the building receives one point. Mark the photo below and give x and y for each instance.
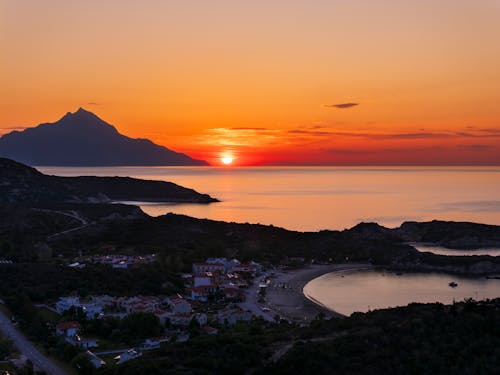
(91, 310)
(66, 303)
(201, 268)
(210, 330)
(201, 293)
(184, 320)
(250, 268)
(128, 355)
(178, 304)
(95, 360)
(154, 343)
(68, 329)
(234, 294)
(228, 264)
(232, 316)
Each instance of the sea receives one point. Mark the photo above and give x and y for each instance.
(336, 198)
(317, 198)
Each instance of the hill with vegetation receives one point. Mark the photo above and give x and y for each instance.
(22, 184)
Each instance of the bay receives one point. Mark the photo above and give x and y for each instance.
(316, 198)
(350, 291)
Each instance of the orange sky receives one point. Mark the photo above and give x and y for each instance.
(258, 79)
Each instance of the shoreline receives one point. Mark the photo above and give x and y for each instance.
(285, 294)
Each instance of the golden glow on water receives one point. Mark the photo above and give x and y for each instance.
(350, 291)
(313, 198)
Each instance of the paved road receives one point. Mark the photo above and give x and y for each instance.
(25, 347)
(252, 305)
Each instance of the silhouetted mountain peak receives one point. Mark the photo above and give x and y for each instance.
(81, 138)
(84, 118)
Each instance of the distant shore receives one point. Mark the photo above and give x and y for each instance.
(285, 294)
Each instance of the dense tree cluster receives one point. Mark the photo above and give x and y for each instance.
(43, 282)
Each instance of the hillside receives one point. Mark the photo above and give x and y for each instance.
(22, 184)
(83, 139)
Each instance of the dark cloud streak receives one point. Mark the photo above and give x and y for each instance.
(341, 105)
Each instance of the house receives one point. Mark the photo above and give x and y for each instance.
(210, 330)
(201, 268)
(185, 319)
(68, 329)
(91, 310)
(228, 264)
(128, 355)
(178, 304)
(95, 360)
(154, 343)
(232, 316)
(86, 343)
(250, 268)
(66, 303)
(76, 265)
(234, 294)
(201, 293)
(140, 304)
(203, 280)
(119, 265)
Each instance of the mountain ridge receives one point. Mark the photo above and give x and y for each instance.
(82, 138)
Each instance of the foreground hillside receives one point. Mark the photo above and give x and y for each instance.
(463, 338)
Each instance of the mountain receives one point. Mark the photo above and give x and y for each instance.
(83, 139)
(22, 184)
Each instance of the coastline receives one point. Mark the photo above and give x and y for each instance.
(285, 294)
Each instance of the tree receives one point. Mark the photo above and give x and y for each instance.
(83, 365)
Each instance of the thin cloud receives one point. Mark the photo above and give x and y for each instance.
(341, 105)
(477, 147)
(255, 129)
(93, 103)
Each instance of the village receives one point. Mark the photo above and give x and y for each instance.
(216, 294)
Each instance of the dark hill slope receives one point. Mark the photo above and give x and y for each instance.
(21, 184)
(455, 235)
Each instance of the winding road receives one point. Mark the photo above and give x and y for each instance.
(26, 348)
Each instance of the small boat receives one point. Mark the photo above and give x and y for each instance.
(453, 284)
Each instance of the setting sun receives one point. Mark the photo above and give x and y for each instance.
(226, 160)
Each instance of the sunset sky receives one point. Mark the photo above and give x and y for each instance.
(266, 81)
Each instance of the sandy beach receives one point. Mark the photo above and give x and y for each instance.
(285, 292)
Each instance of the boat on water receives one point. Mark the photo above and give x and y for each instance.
(453, 284)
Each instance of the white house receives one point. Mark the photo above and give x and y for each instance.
(128, 355)
(95, 360)
(201, 268)
(178, 304)
(91, 310)
(154, 343)
(201, 293)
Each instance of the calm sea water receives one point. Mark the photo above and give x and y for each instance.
(350, 291)
(314, 198)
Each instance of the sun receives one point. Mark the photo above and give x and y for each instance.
(226, 160)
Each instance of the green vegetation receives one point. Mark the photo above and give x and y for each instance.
(5, 348)
(418, 339)
(47, 281)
